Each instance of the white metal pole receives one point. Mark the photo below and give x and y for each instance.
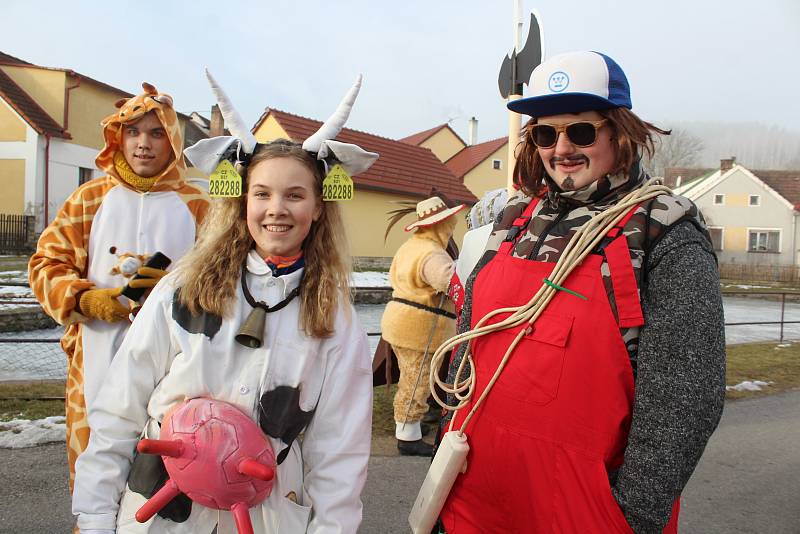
(514, 120)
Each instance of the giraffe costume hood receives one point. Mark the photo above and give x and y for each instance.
(131, 110)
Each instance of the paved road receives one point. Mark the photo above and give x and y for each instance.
(747, 482)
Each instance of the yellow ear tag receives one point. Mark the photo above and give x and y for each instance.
(337, 185)
(224, 181)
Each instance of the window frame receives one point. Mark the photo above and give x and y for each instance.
(721, 237)
(765, 231)
(85, 175)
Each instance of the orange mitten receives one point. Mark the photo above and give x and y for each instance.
(150, 277)
(103, 304)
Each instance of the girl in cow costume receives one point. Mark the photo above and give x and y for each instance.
(302, 372)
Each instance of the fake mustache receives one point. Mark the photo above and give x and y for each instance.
(577, 158)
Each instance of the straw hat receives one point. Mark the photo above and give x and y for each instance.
(431, 211)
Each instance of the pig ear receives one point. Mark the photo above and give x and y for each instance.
(119, 103)
(149, 88)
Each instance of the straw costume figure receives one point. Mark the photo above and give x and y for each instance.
(419, 316)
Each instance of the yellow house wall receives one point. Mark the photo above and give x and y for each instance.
(12, 128)
(269, 130)
(741, 200)
(484, 178)
(735, 239)
(12, 181)
(88, 105)
(365, 218)
(444, 144)
(46, 87)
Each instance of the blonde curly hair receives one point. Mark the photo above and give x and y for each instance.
(209, 274)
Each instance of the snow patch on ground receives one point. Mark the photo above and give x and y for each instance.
(749, 385)
(745, 286)
(17, 277)
(21, 433)
(15, 291)
(370, 279)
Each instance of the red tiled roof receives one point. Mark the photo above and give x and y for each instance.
(401, 168)
(471, 156)
(28, 109)
(11, 60)
(417, 138)
(786, 183)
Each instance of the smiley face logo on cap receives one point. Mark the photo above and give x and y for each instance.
(558, 81)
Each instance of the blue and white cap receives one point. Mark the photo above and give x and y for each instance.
(572, 83)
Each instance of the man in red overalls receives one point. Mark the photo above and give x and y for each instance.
(603, 410)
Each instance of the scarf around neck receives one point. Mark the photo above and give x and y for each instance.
(127, 174)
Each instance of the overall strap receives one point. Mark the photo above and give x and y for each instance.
(517, 227)
(623, 280)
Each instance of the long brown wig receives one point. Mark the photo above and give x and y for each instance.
(631, 136)
(209, 274)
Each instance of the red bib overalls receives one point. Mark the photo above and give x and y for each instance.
(557, 420)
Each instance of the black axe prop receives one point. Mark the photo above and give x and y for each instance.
(517, 68)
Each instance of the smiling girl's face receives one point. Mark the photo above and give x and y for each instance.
(281, 205)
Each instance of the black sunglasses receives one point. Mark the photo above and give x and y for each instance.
(580, 134)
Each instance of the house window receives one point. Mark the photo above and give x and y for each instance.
(497, 164)
(716, 238)
(719, 200)
(84, 175)
(764, 241)
(755, 200)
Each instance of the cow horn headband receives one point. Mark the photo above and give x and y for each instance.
(238, 147)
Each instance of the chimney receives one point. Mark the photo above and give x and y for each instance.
(217, 125)
(472, 137)
(727, 164)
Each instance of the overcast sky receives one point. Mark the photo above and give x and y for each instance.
(424, 61)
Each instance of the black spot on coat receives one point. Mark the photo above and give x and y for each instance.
(205, 323)
(280, 416)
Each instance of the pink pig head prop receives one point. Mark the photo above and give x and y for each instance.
(216, 455)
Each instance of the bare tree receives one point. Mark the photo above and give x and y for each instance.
(679, 149)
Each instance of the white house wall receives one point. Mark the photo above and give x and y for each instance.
(66, 159)
(32, 151)
(737, 216)
(63, 174)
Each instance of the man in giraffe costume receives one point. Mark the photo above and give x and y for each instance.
(141, 206)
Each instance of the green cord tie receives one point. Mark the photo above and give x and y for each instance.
(558, 287)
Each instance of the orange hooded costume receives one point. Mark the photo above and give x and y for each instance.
(117, 213)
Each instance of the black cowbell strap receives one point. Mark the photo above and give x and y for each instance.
(263, 305)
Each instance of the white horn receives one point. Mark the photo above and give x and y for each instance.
(233, 121)
(335, 123)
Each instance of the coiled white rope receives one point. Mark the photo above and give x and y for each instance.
(585, 239)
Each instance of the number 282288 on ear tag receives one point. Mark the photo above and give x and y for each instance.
(337, 185)
(224, 181)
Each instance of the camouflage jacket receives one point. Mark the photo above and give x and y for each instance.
(559, 215)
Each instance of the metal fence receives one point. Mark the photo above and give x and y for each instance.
(25, 358)
(781, 296)
(16, 233)
(760, 273)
